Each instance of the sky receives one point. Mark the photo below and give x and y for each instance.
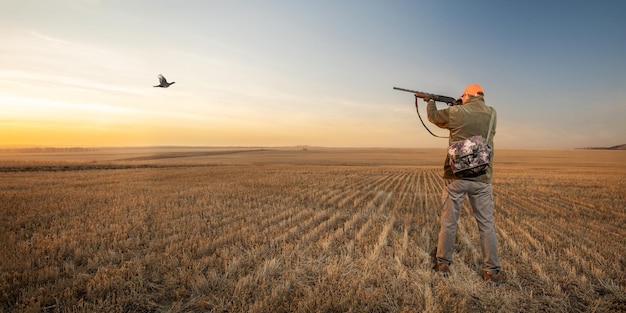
(318, 73)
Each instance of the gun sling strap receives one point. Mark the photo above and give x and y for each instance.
(418, 115)
(490, 127)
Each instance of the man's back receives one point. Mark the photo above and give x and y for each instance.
(465, 121)
(471, 119)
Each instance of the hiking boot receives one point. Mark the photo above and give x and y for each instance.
(443, 268)
(498, 278)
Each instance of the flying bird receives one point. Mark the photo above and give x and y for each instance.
(163, 82)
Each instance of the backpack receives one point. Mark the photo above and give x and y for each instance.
(472, 156)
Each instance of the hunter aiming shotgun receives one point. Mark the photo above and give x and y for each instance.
(448, 100)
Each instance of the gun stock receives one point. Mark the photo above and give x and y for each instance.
(439, 98)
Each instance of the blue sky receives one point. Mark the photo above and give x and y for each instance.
(273, 73)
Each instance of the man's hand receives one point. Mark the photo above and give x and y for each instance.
(428, 97)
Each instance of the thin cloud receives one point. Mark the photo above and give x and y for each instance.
(46, 37)
(18, 106)
(40, 79)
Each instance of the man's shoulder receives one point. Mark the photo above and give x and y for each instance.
(479, 106)
(455, 108)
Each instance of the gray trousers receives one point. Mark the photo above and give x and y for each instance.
(481, 200)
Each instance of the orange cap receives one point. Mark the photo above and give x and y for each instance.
(473, 90)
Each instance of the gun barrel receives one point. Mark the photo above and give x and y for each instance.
(407, 90)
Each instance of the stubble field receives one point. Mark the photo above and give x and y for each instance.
(302, 230)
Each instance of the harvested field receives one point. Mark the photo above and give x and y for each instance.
(306, 230)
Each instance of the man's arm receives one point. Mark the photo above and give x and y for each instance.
(440, 118)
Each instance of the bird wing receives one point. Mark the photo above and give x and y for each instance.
(162, 80)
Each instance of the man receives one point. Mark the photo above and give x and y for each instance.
(464, 121)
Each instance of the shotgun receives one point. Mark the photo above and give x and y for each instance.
(448, 100)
